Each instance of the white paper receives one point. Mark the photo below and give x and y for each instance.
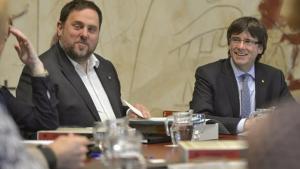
(224, 164)
(37, 142)
(133, 109)
(160, 119)
(154, 119)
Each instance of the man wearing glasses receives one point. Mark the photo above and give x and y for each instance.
(229, 90)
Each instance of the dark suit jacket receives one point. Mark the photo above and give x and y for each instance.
(75, 106)
(42, 115)
(216, 91)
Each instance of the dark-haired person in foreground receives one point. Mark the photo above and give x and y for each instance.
(88, 88)
(229, 90)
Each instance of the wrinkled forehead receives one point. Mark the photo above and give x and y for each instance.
(87, 15)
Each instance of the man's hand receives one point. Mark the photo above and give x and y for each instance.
(252, 121)
(70, 151)
(27, 53)
(142, 109)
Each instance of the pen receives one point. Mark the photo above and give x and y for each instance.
(133, 109)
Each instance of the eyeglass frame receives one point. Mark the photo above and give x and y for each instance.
(246, 42)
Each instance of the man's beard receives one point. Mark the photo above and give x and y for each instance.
(79, 57)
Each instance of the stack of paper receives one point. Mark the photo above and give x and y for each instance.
(230, 149)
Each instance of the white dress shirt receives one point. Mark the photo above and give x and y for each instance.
(251, 83)
(95, 88)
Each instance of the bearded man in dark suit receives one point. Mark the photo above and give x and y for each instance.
(87, 85)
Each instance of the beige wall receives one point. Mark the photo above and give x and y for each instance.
(156, 45)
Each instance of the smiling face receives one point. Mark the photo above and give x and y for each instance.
(79, 34)
(244, 49)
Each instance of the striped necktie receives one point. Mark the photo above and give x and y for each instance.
(245, 96)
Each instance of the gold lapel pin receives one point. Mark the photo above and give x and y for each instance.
(262, 81)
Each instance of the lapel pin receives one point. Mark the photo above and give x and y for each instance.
(262, 81)
(109, 77)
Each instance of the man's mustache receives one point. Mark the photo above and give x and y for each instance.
(82, 42)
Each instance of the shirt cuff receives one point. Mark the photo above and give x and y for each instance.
(43, 74)
(49, 155)
(127, 111)
(240, 126)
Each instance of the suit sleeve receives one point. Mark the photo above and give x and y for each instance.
(39, 114)
(24, 88)
(285, 95)
(203, 101)
(122, 107)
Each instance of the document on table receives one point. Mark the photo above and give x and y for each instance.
(37, 142)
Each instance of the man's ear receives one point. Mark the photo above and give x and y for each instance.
(260, 49)
(59, 27)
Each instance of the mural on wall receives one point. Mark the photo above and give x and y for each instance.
(174, 38)
(284, 37)
(157, 45)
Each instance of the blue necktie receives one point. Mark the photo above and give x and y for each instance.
(245, 96)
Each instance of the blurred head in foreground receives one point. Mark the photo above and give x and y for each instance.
(275, 142)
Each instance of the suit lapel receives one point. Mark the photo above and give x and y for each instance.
(106, 79)
(70, 73)
(230, 85)
(260, 85)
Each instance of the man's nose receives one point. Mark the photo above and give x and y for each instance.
(84, 33)
(241, 44)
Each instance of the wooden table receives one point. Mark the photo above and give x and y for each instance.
(164, 151)
(170, 153)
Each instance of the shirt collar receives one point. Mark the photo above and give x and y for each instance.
(92, 62)
(237, 72)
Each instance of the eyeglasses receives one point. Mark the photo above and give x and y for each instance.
(246, 42)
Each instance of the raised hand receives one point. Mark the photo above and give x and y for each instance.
(27, 53)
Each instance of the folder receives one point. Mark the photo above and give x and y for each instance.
(53, 134)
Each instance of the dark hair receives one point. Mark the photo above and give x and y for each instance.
(251, 25)
(78, 5)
